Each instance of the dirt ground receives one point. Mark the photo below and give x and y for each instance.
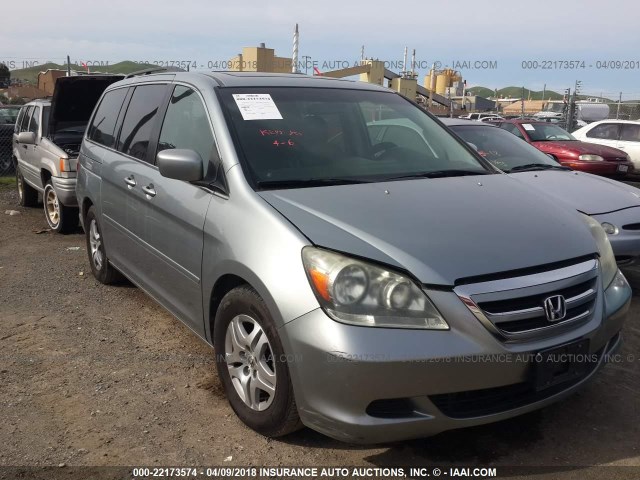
(95, 375)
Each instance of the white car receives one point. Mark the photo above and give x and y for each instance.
(621, 134)
(481, 116)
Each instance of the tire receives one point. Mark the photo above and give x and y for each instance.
(101, 269)
(270, 414)
(61, 219)
(27, 195)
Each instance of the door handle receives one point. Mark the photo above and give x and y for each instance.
(130, 181)
(149, 190)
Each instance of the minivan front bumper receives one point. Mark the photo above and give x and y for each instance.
(371, 385)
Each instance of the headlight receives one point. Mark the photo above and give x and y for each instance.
(359, 293)
(591, 158)
(607, 258)
(609, 228)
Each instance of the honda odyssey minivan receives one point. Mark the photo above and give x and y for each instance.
(370, 290)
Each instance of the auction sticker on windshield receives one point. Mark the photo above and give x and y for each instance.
(528, 126)
(257, 106)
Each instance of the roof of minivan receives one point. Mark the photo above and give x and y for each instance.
(260, 79)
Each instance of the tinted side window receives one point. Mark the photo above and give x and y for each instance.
(35, 121)
(140, 119)
(186, 124)
(25, 120)
(604, 131)
(630, 132)
(104, 122)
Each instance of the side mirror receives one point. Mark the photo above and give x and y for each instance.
(28, 138)
(473, 145)
(180, 164)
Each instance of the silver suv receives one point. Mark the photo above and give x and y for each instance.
(370, 282)
(46, 142)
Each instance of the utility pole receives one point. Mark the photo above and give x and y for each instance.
(618, 110)
(68, 66)
(522, 103)
(544, 91)
(572, 107)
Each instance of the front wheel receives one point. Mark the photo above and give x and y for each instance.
(61, 219)
(251, 364)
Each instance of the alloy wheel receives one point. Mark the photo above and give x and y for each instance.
(20, 186)
(95, 243)
(52, 207)
(249, 358)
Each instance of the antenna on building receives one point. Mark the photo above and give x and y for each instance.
(294, 58)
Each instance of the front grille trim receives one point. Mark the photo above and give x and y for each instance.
(504, 324)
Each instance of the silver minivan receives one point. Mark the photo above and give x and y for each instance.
(373, 290)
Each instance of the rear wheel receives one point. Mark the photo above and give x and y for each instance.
(27, 195)
(251, 364)
(60, 218)
(102, 270)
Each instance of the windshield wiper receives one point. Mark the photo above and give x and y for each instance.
(308, 182)
(439, 174)
(529, 167)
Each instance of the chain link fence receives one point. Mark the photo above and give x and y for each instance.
(8, 115)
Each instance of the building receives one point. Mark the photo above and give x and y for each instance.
(26, 92)
(530, 107)
(474, 103)
(47, 80)
(259, 59)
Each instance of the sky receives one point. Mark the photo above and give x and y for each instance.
(495, 43)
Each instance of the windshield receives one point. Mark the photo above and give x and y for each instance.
(555, 107)
(546, 132)
(8, 116)
(296, 137)
(503, 149)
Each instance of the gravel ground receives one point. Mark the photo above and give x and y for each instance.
(95, 375)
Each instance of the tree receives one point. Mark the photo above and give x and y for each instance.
(5, 75)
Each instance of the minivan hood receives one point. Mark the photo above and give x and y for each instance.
(579, 148)
(587, 193)
(440, 230)
(74, 99)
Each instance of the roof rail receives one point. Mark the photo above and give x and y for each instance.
(149, 71)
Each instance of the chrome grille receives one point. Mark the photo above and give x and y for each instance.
(513, 308)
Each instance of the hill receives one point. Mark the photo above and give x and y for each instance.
(31, 74)
(516, 92)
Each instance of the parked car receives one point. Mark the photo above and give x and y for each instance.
(614, 204)
(46, 142)
(620, 134)
(481, 116)
(8, 116)
(340, 278)
(566, 149)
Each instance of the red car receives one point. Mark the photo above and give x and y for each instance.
(561, 145)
